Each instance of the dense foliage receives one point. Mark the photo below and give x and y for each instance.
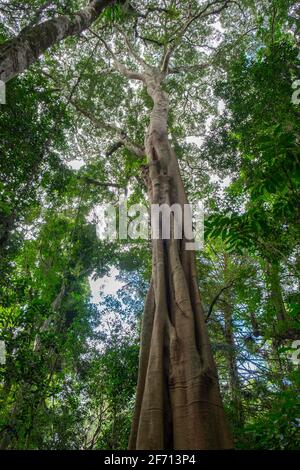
(68, 138)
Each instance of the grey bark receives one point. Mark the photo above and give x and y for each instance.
(233, 376)
(178, 403)
(17, 54)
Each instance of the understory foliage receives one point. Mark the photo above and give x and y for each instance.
(72, 139)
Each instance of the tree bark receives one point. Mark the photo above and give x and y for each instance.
(233, 375)
(178, 403)
(273, 280)
(17, 54)
(234, 382)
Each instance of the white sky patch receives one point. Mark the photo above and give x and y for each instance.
(221, 106)
(218, 26)
(76, 164)
(107, 285)
(192, 139)
(223, 182)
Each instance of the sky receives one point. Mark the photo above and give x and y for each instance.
(107, 285)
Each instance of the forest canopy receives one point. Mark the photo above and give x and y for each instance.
(140, 342)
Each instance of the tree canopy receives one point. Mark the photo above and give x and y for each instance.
(152, 102)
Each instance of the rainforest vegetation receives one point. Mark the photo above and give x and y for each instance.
(110, 343)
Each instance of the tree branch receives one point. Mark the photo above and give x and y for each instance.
(131, 74)
(215, 300)
(18, 53)
(131, 51)
(132, 147)
(89, 180)
(188, 68)
(178, 35)
(37, 17)
(114, 148)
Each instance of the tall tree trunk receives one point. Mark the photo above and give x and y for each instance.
(7, 224)
(234, 382)
(273, 280)
(17, 54)
(178, 403)
(233, 376)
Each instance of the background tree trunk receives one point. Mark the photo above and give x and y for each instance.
(273, 280)
(17, 54)
(233, 375)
